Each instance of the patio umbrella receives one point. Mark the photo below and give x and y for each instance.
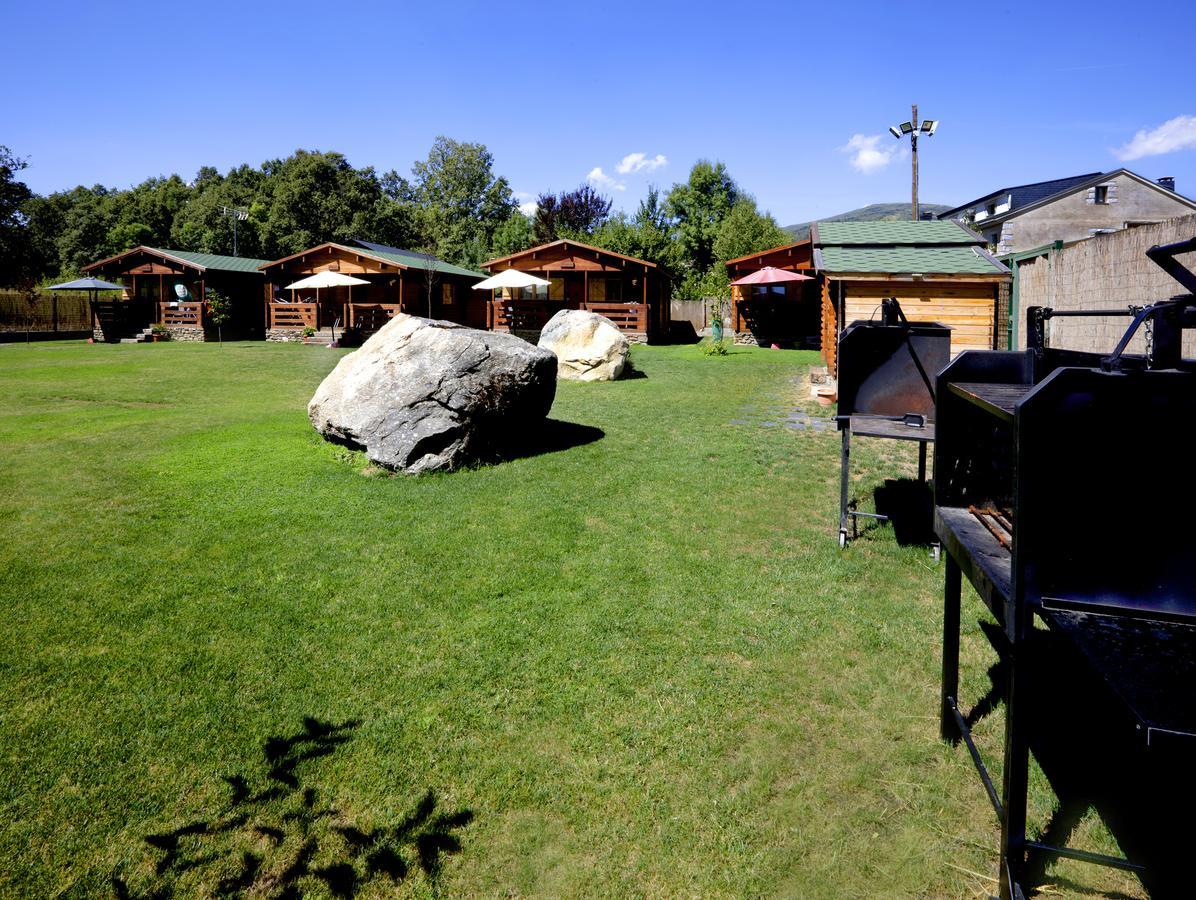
(511, 278)
(87, 284)
(91, 285)
(327, 279)
(771, 275)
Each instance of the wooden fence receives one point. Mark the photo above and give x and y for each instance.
(46, 311)
(181, 314)
(292, 315)
(1104, 272)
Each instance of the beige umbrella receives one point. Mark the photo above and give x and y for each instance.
(326, 279)
(512, 278)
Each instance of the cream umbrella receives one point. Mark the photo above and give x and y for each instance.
(511, 278)
(326, 279)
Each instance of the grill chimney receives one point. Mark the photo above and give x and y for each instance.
(1168, 182)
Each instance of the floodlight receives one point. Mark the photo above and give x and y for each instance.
(907, 127)
(895, 131)
(929, 126)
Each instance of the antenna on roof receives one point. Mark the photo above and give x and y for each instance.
(237, 215)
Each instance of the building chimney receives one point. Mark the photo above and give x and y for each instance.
(1168, 182)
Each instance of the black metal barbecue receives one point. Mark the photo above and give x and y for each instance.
(1055, 473)
(886, 390)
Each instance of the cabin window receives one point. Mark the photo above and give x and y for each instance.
(537, 292)
(556, 290)
(768, 291)
(1101, 196)
(446, 294)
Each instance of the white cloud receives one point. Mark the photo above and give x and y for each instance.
(635, 162)
(1174, 134)
(600, 179)
(866, 156)
(528, 208)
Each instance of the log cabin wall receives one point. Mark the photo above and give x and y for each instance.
(968, 308)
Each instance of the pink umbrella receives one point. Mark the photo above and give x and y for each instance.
(771, 275)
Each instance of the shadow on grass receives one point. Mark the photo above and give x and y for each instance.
(550, 436)
(1096, 761)
(909, 505)
(275, 836)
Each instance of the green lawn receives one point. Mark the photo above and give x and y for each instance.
(638, 666)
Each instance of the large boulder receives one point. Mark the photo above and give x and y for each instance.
(423, 395)
(588, 347)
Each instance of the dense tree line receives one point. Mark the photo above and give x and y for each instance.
(453, 205)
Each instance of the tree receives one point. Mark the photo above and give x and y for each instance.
(16, 256)
(576, 213)
(461, 200)
(699, 206)
(746, 230)
(219, 310)
(513, 235)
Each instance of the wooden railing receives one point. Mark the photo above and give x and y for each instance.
(367, 318)
(522, 315)
(181, 314)
(629, 317)
(529, 315)
(292, 315)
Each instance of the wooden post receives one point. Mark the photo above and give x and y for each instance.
(585, 289)
(647, 317)
(54, 309)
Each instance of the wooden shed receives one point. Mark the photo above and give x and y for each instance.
(939, 271)
(788, 314)
(170, 287)
(398, 281)
(630, 292)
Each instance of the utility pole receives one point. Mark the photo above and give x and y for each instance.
(913, 203)
(237, 215)
(928, 128)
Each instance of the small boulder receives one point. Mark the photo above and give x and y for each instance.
(423, 395)
(588, 347)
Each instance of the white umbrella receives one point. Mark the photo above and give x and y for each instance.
(327, 279)
(512, 278)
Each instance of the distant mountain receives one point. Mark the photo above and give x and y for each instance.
(873, 212)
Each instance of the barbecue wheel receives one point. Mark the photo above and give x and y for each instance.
(842, 538)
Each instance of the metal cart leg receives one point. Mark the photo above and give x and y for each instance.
(922, 461)
(951, 594)
(844, 472)
(1017, 769)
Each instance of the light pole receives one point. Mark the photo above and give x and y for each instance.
(928, 128)
(237, 215)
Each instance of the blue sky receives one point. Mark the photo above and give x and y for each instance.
(112, 94)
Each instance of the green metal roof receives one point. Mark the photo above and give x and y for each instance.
(417, 261)
(214, 260)
(940, 260)
(925, 232)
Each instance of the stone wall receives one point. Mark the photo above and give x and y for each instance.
(284, 335)
(1108, 272)
(186, 333)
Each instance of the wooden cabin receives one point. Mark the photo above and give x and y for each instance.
(630, 292)
(398, 279)
(170, 288)
(786, 314)
(939, 271)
